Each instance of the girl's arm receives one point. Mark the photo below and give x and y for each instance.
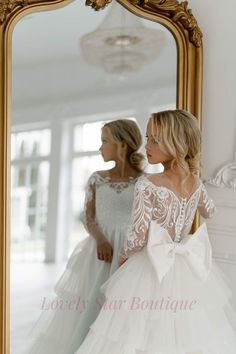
(104, 249)
(206, 206)
(137, 233)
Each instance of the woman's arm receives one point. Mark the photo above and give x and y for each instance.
(137, 233)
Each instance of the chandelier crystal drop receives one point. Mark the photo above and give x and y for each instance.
(122, 43)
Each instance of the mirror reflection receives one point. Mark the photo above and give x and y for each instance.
(74, 70)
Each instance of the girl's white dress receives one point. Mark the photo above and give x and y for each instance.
(168, 297)
(60, 331)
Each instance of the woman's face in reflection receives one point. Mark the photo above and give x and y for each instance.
(108, 148)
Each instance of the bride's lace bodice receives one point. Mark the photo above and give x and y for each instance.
(161, 205)
(108, 204)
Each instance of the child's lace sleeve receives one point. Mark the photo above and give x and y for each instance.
(89, 217)
(137, 233)
(206, 206)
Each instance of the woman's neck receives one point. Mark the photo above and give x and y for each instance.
(176, 170)
(122, 169)
(167, 165)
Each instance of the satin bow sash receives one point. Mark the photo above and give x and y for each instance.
(195, 248)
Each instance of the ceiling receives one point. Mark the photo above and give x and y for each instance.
(47, 35)
(48, 62)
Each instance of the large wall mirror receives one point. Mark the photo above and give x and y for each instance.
(64, 73)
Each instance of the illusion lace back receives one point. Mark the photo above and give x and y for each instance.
(161, 205)
(168, 297)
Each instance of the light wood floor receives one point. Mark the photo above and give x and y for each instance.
(30, 282)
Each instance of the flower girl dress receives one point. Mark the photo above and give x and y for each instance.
(108, 204)
(168, 297)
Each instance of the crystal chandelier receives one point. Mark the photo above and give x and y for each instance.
(122, 43)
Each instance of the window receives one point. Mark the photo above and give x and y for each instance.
(87, 137)
(29, 193)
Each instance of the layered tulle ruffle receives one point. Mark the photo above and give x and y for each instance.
(181, 315)
(66, 318)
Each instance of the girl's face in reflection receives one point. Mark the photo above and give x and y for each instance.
(108, 148)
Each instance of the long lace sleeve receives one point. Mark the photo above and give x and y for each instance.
(137, 231)
(89, 217)
(206, 206)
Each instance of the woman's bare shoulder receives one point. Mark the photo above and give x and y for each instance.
(157, 178)
(103, 173)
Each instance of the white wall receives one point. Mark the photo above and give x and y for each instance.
(217, 22)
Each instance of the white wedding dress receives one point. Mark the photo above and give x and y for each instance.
(108, 205)
(168, 297)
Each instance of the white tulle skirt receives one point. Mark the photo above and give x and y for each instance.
(180, 315)
(65, 320)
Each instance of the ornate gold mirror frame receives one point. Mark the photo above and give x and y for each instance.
(175, 16)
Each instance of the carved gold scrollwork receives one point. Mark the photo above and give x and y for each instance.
(178, 12)
(97, 4)
(185, 16)
(8, 6)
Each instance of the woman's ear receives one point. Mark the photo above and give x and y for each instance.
(124, 145)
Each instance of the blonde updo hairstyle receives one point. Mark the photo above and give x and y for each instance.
(178, 134)
(126, 130)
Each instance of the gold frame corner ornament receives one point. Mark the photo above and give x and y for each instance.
(174, 15)
(177, 12)
(7, 7)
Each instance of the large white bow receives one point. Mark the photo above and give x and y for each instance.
(195, 248)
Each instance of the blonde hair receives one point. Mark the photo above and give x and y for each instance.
(128, 131)
(178, 134)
